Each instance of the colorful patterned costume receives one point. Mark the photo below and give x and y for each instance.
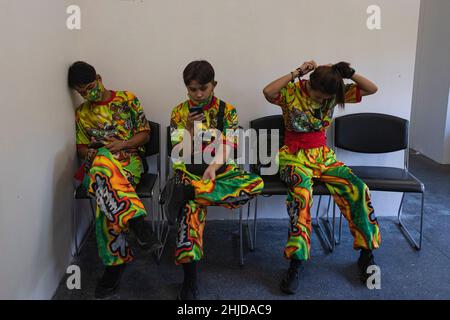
(111, 179)
(302, 114)
(231, 189)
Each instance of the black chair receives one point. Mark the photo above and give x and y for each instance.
(380, 133)
(273, 185)
(145, 188)
(165, 229)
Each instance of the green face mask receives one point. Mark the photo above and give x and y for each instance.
(96, 93)
(207, 101)
(204, 102)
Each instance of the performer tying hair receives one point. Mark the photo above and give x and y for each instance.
(307, 107)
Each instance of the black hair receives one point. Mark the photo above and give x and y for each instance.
(201, 71)
(330, 80)
(344, 69)
(81, 73)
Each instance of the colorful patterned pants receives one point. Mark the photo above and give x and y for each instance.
(112, 184)
(349, 192)
(231, 189)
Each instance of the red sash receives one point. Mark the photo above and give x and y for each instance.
(304, 140)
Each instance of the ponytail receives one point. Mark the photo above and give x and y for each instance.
(330, 80)
(340, 94)
(344, 70)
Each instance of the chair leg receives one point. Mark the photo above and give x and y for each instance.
(160, 229)
(247, 226)
(322, 234)
(148, 209)
(327, 219)
(405, 229)
(160, 220)
(155, 216)
(318, 207)
(91, 226)
(340, 227)
(328, 206)
(337, 240)
(92, 209)
(320, 228)
(421, 220)
(333, 238)
(241, 239)
(153, 212)
(165, 235)
(160, 225)
(255, 222)
(161, 217)
(153, 207)
(164, 242)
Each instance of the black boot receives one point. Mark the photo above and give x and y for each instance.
(289, 284)
(146, 239)
(365, 260)
(109, 282)
(178, 196)
(189, 289)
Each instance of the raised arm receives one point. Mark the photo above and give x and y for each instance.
(272, 90)
(366, 86)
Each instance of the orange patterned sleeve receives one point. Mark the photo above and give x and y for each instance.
(352, 93)
(286, 96)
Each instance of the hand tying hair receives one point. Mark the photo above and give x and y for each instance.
(344, 69)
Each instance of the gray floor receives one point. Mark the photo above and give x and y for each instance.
(405, 273)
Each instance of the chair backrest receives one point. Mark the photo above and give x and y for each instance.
(371, 133)
(152, 147)
(169, 142)
(269, 123)
(168, 152)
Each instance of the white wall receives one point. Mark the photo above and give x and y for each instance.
(143, 46)
(430, 132)
(37, 146)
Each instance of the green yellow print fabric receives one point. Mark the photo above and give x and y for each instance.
(231, 189)
(303, 114)
(349, 192)
(297, 170)
(109, 181)
(121, 117)
(180, 114)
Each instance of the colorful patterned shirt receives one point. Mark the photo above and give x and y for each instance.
(303, 114)
(180, 114)
(121, 117)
